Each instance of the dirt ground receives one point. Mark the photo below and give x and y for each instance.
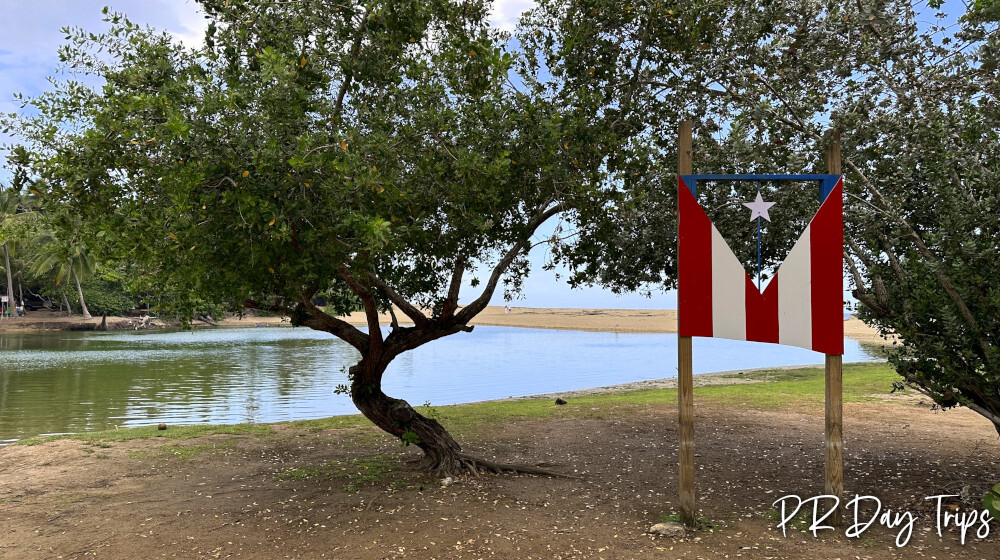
(353, 493)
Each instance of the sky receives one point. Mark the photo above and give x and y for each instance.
(30, 37)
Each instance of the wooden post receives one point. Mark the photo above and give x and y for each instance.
(834, 485)
(685, 381)
(834, 472)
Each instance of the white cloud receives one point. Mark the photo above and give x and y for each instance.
(192, 23)
(30, 33)
(506, 12)
(30, 38)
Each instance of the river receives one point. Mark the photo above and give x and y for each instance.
(62, 382)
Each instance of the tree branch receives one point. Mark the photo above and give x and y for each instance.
(349, 75)
(956, 183)
(738, 97)
(371, 311)
(319, 320)
(480, 303)
(930, 388)
(855, 273)
(408, 338)
(985, 414)
(893, 259)
(451, 302)
(415, 315)
(935, 264)
(274, 307)
(395, 322)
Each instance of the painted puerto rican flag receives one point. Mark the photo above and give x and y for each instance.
(802, 305)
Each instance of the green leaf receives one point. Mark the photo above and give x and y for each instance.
(992, 501)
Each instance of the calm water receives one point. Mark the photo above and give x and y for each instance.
(73, 382)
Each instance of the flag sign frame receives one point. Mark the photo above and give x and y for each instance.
(803, 303)
(717, 298)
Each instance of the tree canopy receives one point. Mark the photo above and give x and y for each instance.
(378, 152)
(917, 111)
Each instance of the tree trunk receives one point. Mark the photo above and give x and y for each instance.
(69, 310)
(10, 278)
(442, 454)
(79, 290)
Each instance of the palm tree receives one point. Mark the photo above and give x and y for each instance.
(9, 202)
(65, 260)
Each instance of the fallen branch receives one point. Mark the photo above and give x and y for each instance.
(207, 320)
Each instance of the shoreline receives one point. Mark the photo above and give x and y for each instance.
(708, 379)
(578, 319)
(602, 320)
(712, 378)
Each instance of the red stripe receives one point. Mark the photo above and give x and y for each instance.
(762, 311)
(694, 266)
(827, 274)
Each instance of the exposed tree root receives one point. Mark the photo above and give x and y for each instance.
(462, 463)
(443, 456)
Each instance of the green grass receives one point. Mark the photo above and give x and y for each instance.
(187, 452)
(792, 389)
(796, 388)
(366, 471)
(101, 439)
(178, 452)
(331, 423)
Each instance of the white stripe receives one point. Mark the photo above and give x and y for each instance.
(729, 310)
(795, 295)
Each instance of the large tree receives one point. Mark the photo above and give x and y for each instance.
(917, 110)
(381, 151)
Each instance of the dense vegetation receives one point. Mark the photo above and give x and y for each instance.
(915, 103)
(49, 262)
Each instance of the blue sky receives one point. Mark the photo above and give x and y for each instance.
(30, 37)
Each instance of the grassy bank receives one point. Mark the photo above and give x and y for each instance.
(788, 389)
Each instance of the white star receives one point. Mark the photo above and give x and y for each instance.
(758, 208)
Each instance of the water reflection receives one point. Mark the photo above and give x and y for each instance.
(72, 382)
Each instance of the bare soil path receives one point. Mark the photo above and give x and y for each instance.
(352, 493)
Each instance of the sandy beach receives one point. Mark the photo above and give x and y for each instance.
(605, 320)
